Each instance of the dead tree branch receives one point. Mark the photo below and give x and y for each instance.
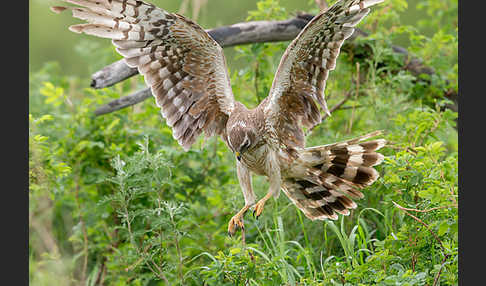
(226, 36)
(124, 101)
(241, 34)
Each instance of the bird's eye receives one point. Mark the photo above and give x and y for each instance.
(245, 145)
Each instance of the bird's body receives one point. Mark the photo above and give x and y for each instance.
(187, 73)
(254, 157)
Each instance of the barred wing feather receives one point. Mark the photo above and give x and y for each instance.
(182, 64)
(299, 83)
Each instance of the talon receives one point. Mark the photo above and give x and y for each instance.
(235, 221)
(255, 216)
(259, 208)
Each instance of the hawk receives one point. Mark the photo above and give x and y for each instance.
(187, 73)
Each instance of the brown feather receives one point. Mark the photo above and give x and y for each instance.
(182, 64)
(333, 175)
(187, 73)
(303, 70)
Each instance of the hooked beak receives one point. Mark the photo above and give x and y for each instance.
(238, 156)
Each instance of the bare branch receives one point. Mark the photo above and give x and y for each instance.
(248, 33)
(436, 279)
(114, 73)
(429, 210)
(423, 223)
(226, 36)
(241, 34)
(124, 101)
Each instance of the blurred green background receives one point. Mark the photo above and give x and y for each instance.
(50, 39)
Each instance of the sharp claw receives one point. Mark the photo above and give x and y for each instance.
(234, 224)
(257, 212)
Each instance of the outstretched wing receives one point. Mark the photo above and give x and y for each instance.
(182, 64)
(301, 75)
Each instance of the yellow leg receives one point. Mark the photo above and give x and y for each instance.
(260, 204)
(237, 220)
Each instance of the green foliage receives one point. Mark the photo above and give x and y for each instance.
(267, 10)
(115, 201)
(252, 82)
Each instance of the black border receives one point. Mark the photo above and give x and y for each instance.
(471, 127)
(15, 170)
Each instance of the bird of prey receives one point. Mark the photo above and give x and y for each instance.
(187, 73)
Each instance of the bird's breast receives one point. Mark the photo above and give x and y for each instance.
(255, 159)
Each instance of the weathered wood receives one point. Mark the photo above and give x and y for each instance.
(114, 73)
(246, 33)
(240, 34)
(226, 36)
(124, 101)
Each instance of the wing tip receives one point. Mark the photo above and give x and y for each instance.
(57, 9)
(76, 28)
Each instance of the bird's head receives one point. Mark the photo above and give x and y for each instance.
(241, 138)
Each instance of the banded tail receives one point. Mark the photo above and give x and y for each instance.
(331, 176)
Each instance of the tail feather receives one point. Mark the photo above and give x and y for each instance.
(330, 176)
